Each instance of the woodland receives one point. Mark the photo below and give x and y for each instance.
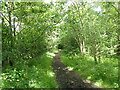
(86, 33)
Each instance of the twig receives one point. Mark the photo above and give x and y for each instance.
(4, 17)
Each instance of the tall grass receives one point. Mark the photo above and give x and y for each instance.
(33, 73)
(103, 74)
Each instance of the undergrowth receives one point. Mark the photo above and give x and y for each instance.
(104, 74)
(33, 73)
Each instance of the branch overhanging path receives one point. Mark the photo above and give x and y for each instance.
(67, 78)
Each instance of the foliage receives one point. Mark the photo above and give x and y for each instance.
(14, 79)
(84, 29)
(104, 74)
(25, 28)
(86, 32)
(32, 74)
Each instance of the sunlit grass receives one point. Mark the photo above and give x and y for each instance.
(50, 74)
(35, 73)
(43, 73)
(50, 54)
(104, 74)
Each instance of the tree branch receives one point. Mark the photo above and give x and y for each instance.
(5, 17)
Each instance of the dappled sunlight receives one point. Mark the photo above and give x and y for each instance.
(70, 68)
(98, 84)
(103, 74)
(32, 83)
(1, 80)
(50, 74)
(37, 75)
(89, 77)
(50, 54)
(47, 39)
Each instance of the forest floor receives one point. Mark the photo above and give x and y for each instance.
(67, 78)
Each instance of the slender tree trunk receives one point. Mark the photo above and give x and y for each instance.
(10, 27)
(82, 49)
(95, 58)
(94, 53)
(118, 46)
(14, 26)
(10, 34)
(2, 22)
(99, 59)
(14, 32)
(118, 31)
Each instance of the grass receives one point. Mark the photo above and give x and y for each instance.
(34, 73)
(104, 74)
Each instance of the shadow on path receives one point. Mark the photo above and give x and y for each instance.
(67, 78)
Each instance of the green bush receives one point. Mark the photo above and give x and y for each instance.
(33, 73)
(15, 79)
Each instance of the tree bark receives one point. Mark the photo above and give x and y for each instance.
(95, 58)
(10, 32)
(14, 28)
(82, 48)
(10, 26)
(99, 59)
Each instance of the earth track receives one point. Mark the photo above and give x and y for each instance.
(67, 78)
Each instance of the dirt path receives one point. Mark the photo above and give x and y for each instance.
(67, 78)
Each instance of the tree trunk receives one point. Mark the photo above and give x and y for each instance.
(118, 48)
(99, 59)
(14, 26)
(95, 58)
(10, 34)
(2, 23)
(10, 27)
(94, 53)
(82, 49)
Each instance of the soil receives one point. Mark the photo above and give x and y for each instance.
(67, 78)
